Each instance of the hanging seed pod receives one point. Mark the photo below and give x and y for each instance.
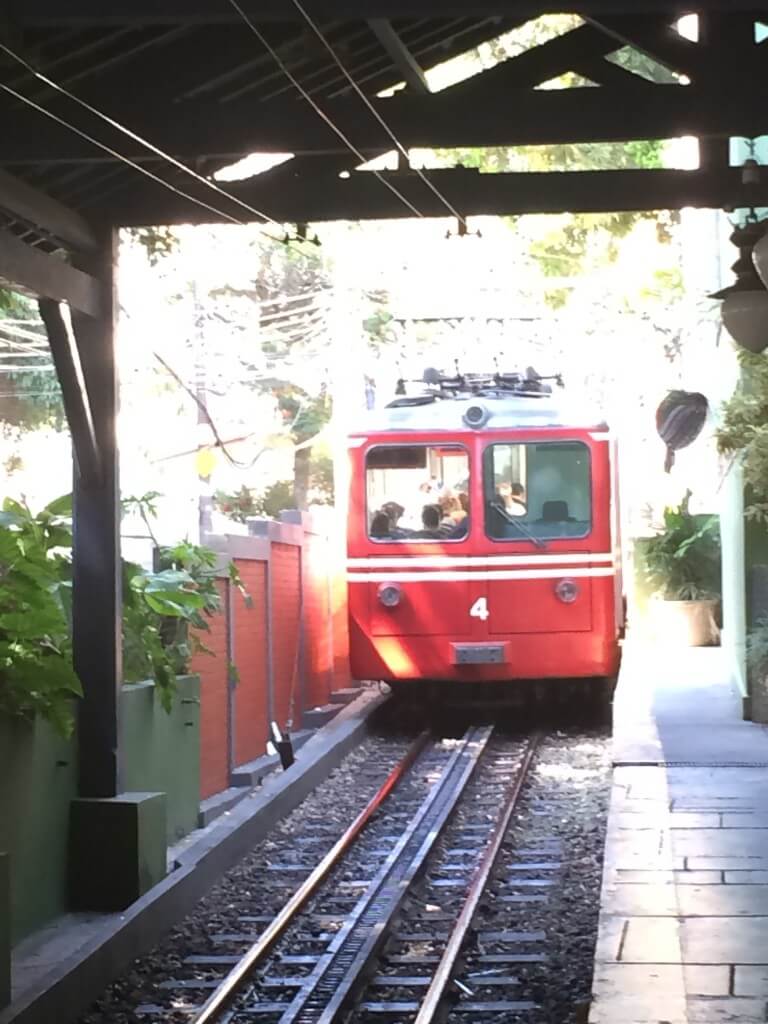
(679, 421)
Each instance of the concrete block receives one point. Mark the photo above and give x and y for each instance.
(318, 717)
(117, 849)
(5, 929)
(345, 696)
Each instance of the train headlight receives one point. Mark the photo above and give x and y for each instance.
(567, 591)
(389, 595)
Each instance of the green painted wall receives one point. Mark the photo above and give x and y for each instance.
(5, 930)
(38, 780)
(161, 752)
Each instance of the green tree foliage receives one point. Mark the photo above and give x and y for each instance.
(31, 397)
(164, 613)
(287, 329)
(36, 674)
(578, 243)
(682, 563)
(743, 432)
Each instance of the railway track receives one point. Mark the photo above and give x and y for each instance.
(388, 925)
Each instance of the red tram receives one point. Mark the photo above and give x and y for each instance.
(483, 536)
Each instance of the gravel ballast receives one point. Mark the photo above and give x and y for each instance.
(534, 933)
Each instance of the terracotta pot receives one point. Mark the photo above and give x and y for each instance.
(685, 623)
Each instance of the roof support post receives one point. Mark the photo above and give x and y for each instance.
(69, 370)
(97, 575)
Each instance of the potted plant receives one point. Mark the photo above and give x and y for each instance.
(757, 671)
(682, 570)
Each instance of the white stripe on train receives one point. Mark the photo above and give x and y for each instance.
(450, 577)
(481, 561)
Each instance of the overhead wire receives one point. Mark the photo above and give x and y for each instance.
(377, 115)
(134, 136)
(118, 156)
(318, 109)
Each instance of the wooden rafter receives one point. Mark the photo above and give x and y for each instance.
(400, 55)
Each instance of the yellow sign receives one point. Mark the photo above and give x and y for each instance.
(205, 462)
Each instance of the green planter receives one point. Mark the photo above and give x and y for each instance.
(38, 781)
(161, 752)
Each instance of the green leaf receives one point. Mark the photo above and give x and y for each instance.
(62, 506)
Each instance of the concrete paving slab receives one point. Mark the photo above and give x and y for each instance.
(750, 981)
(751, 863)
(670, 877)
(708, 842)
(746, 819)
(746, 877)
(689, 900)
(630, 820)
(669, 701)
(683, 933)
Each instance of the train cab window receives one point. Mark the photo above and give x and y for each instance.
(417, 493)
(537, 491)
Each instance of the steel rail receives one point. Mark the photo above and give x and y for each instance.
(444, 971)
(326, 992)
(229, 988)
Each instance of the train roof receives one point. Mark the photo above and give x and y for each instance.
(483, 403)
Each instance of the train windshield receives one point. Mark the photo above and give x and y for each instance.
(417, 492)
(537, 490)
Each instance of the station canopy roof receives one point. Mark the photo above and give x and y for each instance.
(208, 82)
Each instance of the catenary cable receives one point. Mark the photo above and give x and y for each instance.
(318, 109)
(401, 149)
(135, 137)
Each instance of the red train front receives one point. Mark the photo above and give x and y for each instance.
(483, 537)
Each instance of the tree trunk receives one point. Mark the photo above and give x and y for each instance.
(301, 477)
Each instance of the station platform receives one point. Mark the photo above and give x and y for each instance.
(683, 929)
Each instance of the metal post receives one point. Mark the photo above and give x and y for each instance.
(300, 684)
(268, 611)
(96, 595)
(229, 614)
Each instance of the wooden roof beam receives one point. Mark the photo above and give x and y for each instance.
(36, 208)
(497, 118)
(208, 12)
(36, 273)
(320, 197)
(401, 56)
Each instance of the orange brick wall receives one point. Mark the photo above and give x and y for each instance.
(286, 583)
(323, 665)
(250, 657)
(318, 656)
(214, 769)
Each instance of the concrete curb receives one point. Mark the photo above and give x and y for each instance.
(98, 949)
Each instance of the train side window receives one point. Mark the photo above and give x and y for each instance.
(537, 490)
(417, 493)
